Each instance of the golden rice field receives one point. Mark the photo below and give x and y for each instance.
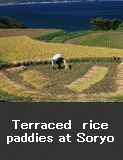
(13, 49)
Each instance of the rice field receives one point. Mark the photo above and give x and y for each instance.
(21, 48)
(107, 39)
(11, 87)
(94, 75)
(42, 83)
(35, 79)
(97, 77)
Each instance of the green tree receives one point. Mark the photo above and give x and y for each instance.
(7, 22)
(115, 23)
(100, 23)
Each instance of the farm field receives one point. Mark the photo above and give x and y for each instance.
(23, 48)
(23, 86)
(120, 27)
(107, 39)
(94, 76)
(26, 32)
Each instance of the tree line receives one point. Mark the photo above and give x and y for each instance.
(97, 23)
(100, 23)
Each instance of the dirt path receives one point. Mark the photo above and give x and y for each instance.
(119, 80)
(94, 75)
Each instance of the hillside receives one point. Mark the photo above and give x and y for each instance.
(109, 39)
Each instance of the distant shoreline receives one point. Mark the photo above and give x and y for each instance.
(56, 2)
(30, 3)
(70, 17)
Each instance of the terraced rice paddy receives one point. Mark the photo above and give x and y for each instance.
(94, 75)
(14, 49)
(35, 79)
(11, 87)
(46, 84)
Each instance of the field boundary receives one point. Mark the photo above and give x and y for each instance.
(45, 62)
(119, 80)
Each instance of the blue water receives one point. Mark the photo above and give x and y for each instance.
(69, 16)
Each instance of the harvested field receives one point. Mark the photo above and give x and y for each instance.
(25, 32)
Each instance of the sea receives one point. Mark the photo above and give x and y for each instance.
(70, 17)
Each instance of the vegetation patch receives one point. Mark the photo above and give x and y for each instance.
(61, 36)
(8, 22)
(109, 39)
(100, 23)
(49, 37)
(121, 27)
